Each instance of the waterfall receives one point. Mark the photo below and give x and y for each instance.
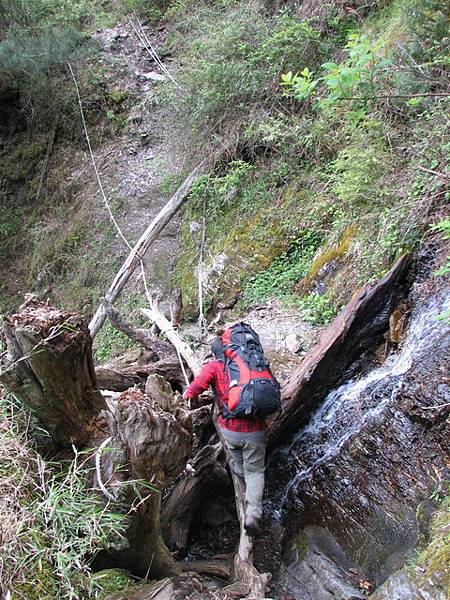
(348, 408)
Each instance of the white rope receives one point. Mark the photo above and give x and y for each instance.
(143, 38)
(94, 164)
(99, 472)
(100, 185)
(178, 353)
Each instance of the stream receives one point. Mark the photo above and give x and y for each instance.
(337, 475)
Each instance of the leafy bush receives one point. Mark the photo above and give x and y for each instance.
(316, 309)
(444, 228)
(286, 270)
(232, 63)
(39, 37)
(357, 75)
(110, 343)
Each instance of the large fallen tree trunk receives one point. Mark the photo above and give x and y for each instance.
(143, 244)
(151, 234)
(349, 335)
(118, 379)
(48, 365)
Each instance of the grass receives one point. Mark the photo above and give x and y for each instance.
(51, 526)
(435, 557)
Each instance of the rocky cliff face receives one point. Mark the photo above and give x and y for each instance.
(349, 495)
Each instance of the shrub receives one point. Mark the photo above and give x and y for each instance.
(284, 271)
(51, 526)
(316, 309)
(232, 64)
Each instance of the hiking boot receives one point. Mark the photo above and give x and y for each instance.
(251, 526)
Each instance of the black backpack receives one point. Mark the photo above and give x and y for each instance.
(254, 392)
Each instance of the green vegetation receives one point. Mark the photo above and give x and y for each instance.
(434, 558)
(51, 527)
(323, 142)
(336, 152)
(233, 58)
(284, 271)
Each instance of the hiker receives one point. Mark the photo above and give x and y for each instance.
(242, 422)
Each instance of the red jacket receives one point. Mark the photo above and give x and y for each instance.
(214, 374)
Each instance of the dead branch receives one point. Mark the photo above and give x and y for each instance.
(145, 241)
(155, 346)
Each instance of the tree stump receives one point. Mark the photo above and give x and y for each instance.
(48, 365)
(151, 441)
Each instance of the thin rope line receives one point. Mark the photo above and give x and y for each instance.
(158, 60)
(143, 38)
(178, 352)
(105, 199)
(151, 50)
(94, 164)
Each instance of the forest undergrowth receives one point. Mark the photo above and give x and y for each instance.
(338, 120)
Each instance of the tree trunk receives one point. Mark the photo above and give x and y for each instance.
(364, 318)
(152, 438)
(116, 378)
(145, 241)
(155, 315)
(48, 365)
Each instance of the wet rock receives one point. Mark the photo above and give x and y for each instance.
(373, 453)
(404, 586)
(320, 570)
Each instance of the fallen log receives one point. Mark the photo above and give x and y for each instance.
(48, 365)
(116, 378)
(156, 347)
(155, 315)
(214, 568)
(110, 379)
(149, 236)
(352, 332)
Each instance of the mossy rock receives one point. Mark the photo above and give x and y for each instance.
(113, 580)
(41, 585)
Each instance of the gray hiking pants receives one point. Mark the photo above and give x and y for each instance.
(248, 450)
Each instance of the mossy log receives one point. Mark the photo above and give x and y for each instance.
(48, 365)
(352, 332)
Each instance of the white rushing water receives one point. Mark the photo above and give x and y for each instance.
(347, 409)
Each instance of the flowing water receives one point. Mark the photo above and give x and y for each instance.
(348, 408)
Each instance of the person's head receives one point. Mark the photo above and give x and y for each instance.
(217, 348)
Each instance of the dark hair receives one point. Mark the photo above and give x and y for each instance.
(217, 347)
